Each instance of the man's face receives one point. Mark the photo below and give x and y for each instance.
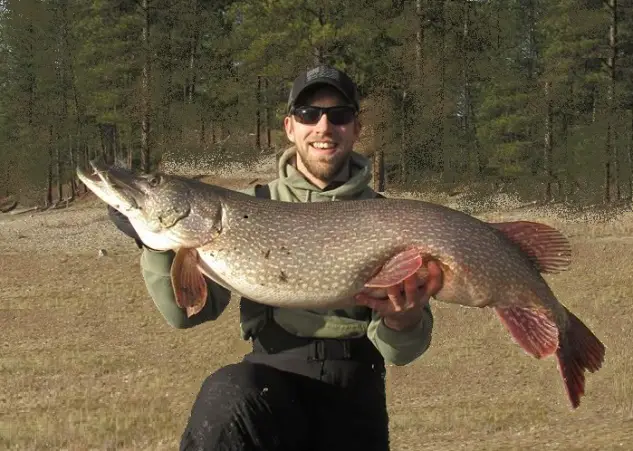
(323, 148)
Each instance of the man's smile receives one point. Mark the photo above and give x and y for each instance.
(323, 146)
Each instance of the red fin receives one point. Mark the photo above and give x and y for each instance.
(190, 288)
(396, 269)
(424, 277)
(545, 246)
(580, 350)
(532, 329)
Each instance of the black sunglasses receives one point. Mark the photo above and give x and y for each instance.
(337, 115)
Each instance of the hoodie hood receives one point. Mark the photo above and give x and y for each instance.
(292, 184)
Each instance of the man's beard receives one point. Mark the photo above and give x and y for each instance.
(325, 168)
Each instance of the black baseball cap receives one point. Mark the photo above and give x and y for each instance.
(324, 75)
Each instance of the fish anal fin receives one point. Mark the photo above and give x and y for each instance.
(190, 287)
(531, 328)
(580, 350)
(399, 267)
(548, 248)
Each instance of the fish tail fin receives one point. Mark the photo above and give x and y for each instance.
(579, 350)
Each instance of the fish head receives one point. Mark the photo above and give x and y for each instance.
(166, 211)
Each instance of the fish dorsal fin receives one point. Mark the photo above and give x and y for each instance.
(548, 248)
(190, 287)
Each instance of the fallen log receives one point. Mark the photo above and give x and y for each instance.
(6, 205)
(23, 210)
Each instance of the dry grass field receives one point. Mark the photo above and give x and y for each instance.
(87, 362)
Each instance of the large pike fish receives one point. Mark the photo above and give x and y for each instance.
(320, 255)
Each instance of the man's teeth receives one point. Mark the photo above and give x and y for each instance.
(323, 145)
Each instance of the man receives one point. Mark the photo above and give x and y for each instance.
(315, 380)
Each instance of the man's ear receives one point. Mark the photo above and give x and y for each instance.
(289, 127)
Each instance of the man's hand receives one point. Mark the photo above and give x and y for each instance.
(123, 224)
(402, 308)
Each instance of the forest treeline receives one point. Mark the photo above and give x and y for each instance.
(532, 93)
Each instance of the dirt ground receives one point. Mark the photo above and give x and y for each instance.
(87, 362)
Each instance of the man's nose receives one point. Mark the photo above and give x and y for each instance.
(323, 123)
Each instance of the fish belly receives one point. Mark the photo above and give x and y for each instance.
(278, 288)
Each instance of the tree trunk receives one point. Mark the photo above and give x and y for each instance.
(130, 148)
(531, 12)
(108, 142)
(73, 164)
(318, 51)
(443, 163)
(403, 138)
(7, 176)
(420, 145)
(564, 183)
(145, 90)
(79, 109)
(86, 154)
(594, 103)
(610, 172)
(269, 143)
(630, 157)
(498, 17)
(193, 50)
(473, 157)
(31, 77)
(258, 127)
(62, 69)
(203, 130)
(58, 170)
(547, 156)
(318, 56)
(167, 124)
(49, 178)
(419, 43)
(378, 165)
(118, 150)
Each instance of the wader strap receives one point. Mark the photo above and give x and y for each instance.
(273, 339)
(262, 191)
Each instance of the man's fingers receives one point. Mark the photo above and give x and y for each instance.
(381, 306)
(435, 278)
(411, 290)
(395, 298)
(397, 301)
(363, 299)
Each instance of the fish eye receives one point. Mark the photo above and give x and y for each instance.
(154, 181)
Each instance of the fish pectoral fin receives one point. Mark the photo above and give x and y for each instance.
(531, 328)
(396, 269)
(190, 287)
(548, 248)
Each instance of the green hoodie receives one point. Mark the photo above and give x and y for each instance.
(397, 347)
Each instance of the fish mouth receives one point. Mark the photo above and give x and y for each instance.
(154, 218)
(117, 187)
